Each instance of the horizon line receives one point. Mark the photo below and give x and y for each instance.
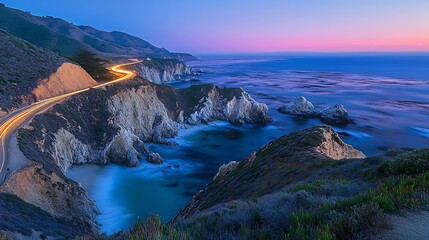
(421, 53)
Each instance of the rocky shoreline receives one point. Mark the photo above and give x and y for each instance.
(158, 70)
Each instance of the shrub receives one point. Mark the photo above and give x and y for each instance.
(356, 219)
(92, 64)
(4, 236)
(412, 162)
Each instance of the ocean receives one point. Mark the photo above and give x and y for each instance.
(386, 96)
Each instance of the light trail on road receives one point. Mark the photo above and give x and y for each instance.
(11, 122)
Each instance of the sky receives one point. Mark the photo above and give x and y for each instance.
(246, 26)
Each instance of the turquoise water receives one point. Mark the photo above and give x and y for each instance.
(386, 96)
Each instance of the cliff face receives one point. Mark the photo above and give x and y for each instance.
(284, 161)
(159, 70)
(57, 196)
(112, 125)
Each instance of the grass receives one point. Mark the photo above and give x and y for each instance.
(308, 187)
(2, 81)
(366, 211)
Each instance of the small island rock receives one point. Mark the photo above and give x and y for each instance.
(299, 108)
(335, 115)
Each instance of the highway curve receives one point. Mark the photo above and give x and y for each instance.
(11, 122)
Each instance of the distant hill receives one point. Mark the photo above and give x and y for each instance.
(66, 39)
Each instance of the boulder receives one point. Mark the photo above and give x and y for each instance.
(335, 115)
(154, 158)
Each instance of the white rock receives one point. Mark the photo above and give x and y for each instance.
(226, 168)
(299, 107)
(335, 115)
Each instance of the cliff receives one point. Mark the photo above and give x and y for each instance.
(112, 125)
(159, 70)
(30, 73)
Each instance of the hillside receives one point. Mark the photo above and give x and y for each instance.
(29, 73)
(304, 185)
(308, 185)
(65, 38)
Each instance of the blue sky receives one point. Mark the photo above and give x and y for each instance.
(253, 26)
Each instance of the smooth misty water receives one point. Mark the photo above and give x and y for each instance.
(388, 97)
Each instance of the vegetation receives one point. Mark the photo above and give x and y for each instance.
(412, 162)
(328, 208)
(13, 210)
(93, 65)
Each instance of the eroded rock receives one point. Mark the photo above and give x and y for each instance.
(299, 107)
(225, 169)
(335, 115)
(154, 158)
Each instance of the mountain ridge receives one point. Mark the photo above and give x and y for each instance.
(63, 37)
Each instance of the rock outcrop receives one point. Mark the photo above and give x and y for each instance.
(160, 71)
(286, 160)
(335, 115)
(60, 197)
(240, 109)
(225, 169)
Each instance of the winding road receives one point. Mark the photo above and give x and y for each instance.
(11, 122)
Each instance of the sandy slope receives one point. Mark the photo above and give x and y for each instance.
(68, 78)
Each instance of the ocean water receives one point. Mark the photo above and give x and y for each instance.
(387, 97)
